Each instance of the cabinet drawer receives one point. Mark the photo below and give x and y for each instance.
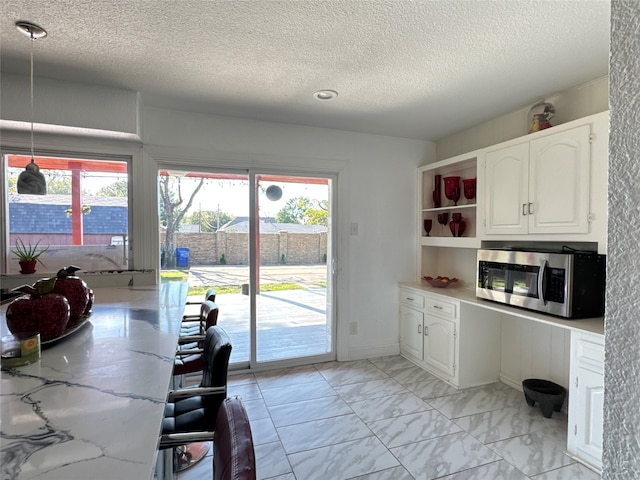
(411, 298)
(441, 308)
(589, 350)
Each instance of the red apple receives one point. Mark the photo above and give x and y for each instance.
(46, 313)
(75, 289)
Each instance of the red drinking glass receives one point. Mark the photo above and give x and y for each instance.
(452, 189)
(443, 219)
(428, 223)
(469, 188)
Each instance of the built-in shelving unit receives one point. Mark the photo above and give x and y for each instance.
(463, 166)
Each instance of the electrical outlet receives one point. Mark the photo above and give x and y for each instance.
(353, 328)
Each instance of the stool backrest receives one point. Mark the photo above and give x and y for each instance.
(233, 453)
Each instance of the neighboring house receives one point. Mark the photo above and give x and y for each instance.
(269, 225)
(33, 217)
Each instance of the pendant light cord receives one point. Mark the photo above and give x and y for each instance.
(31, 95)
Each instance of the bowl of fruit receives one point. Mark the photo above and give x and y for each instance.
(440, 282)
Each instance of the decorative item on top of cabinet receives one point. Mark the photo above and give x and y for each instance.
(540, 116)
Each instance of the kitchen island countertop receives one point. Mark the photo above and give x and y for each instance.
(92, 407)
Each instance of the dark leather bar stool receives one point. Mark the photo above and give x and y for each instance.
(234, 456)
(190, 413)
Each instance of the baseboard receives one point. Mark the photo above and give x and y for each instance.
(360, 353)
(517, 384)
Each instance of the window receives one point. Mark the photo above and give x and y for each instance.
(82, 220)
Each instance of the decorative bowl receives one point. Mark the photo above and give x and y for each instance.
(440, 282)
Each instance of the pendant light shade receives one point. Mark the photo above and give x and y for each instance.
(31, 181)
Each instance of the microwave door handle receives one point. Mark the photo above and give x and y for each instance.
(541, 278)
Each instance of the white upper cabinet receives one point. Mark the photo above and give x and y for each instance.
(540, 186)
(507, 185)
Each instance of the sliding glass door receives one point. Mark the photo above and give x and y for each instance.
(264, 243)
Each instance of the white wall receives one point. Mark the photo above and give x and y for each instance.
(376, 190)
(376, 187)
(621, 458)
(572, 104)
(70, 104)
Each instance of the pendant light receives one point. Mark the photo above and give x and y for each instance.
(31, 181)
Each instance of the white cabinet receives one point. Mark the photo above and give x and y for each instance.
(440, 337)
(456, 342)
(586, 398)
(411, 323)
(539, 186)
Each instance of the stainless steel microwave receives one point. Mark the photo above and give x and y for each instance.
(567, 284)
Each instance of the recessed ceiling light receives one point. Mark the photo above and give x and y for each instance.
(325, 95)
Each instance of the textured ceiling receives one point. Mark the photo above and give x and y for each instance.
(416, 69)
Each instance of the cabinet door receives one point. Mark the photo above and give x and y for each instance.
(411, 321)
(439, 344)
(507, 174)
(589, 416)
(559, 182)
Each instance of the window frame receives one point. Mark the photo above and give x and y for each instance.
(65, 147)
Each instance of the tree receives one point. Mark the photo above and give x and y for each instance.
(58, 183)
(119, 188)
(304, 211)
(171, 204)
(208, 220)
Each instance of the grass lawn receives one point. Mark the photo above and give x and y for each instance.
(167, 276)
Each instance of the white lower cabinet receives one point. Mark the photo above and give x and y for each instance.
(586, 398)
(456, 342)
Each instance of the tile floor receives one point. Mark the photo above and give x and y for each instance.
(385, 419)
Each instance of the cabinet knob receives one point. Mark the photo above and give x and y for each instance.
(524, 209)
(426, 331)
(530, 208)
(419, 329)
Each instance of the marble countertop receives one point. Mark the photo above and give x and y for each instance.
(593, 325)
(92, 407)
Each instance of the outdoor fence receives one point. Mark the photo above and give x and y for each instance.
(275, 248)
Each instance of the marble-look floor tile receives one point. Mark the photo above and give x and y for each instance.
(296, 393)
(286, 476)
(393, 363)
(536, 452)
(263, 431)
(395, 473)
(574, 471)
(309, 410)
(501, 424)
(355, 392)
(442, 456)
(256, 409)
(415, 427)
(271, 460)
(431, 388)
(412, 374)
(240, 378)
(288, 376)
(342, 461)
(246, 391)
(477, 400)
(320, 433)
(387, 407)
(499, 470)
(342, 373)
